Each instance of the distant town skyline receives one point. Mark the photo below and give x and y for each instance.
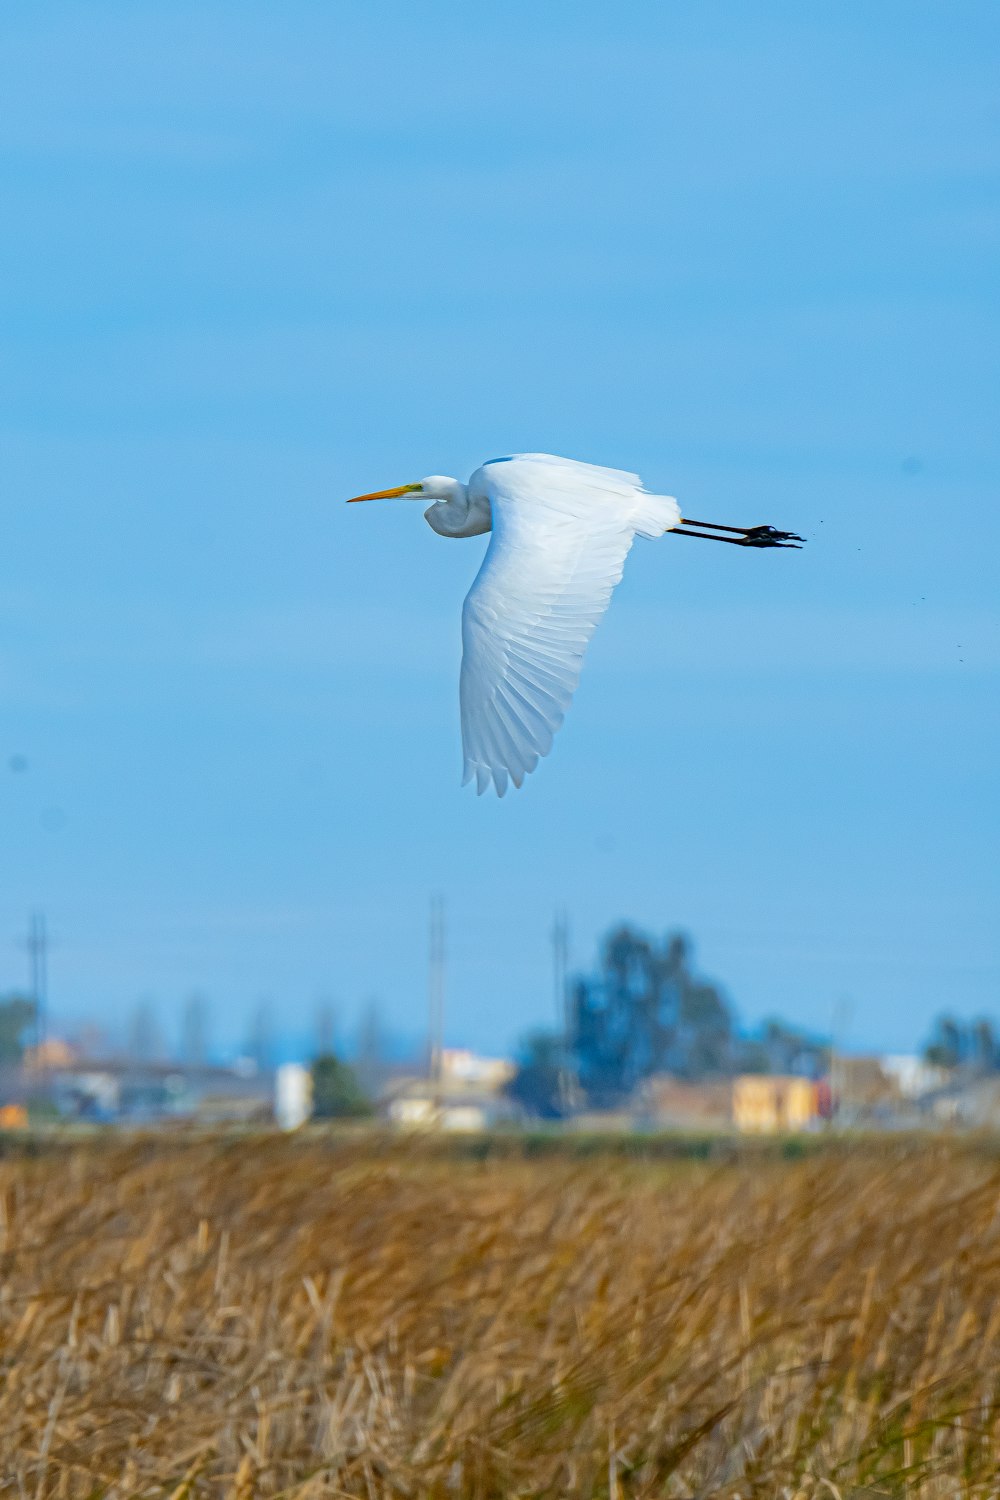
(192, 1029)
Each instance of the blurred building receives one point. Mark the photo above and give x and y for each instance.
(49, 1055)
(116, 1091)
(415, 1104)
(767, 1103)
(460, 1067)
(912, 1076)
(864, 1093)
(970, 1102)
(468, 1095)
(664, 1102)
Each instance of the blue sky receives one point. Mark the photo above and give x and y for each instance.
(254, 259)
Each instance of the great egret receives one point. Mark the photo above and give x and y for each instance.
(561, 533)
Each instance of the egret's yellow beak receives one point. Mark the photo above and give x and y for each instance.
(402, 489)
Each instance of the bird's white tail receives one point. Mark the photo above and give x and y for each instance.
(655, 514)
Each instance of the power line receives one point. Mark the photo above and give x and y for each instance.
(435, 991)
(194, 1031)
(261, 1040)
(326, 1027)
(560, 965)
(38, 958)
(561, 998)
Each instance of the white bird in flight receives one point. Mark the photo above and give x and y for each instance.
(561, 533)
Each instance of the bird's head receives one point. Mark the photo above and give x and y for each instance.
(434, 487)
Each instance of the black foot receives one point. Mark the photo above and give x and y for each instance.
(769, 536)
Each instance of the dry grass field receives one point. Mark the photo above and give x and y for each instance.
(308, 1317)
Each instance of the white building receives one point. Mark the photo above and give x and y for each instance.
(912, 1076)
(468, 1095)
(293, 1088)
(459, 1065)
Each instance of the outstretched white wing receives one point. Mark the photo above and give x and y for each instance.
(561, 533)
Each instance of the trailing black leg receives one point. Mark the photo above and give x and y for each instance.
(743, 536)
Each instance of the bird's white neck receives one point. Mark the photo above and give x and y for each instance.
(456, 513)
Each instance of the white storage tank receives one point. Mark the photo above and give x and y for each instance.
(292, 1095)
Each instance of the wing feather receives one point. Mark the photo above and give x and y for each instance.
(561, 533)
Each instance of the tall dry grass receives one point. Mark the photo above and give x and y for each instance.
(261, 1316)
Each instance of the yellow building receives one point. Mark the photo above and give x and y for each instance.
(48, 1055)
(766, 1103)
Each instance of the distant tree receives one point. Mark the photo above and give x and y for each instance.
(337, 1094)
(959, 1044)
(145, 1039)
(538, 1085)
(194, 1031)
(780, 1048)
(946, 1045)
(983, 1045)
(260, 1045)
(370, 1064)
(705, 1029)
(325, 1026)
(17, 1019)
(645, 1012)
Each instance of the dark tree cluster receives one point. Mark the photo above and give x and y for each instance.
(971, 1045)
(780, 1048)
(645, 1011)
(542, 1084)
(337, 1094)
(17, 1021)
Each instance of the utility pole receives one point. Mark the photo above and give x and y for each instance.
(325, 1028)
(38, 956)
(435, 995)
(145, 1039)
(842, 1012)
(560, 964)
(560, 988)
(260, 1047)
(194, 1032)
(369, 1062)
